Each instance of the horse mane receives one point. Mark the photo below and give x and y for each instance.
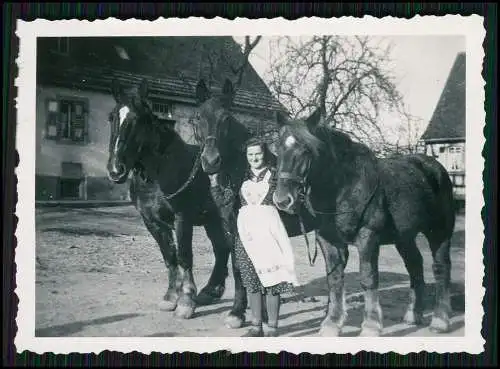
(338, 144)
(301, 132)
(157, 136)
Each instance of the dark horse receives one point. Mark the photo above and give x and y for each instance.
(223, 154)
(223, 157)
(172, 195)
(362, 200)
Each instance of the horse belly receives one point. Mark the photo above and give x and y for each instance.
(411, 202)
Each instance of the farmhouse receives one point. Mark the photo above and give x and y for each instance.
(444, 137)
(74, 101)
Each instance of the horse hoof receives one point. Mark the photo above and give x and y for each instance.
(329, 329)
(166, 305)
(371, 329)
(370, 332)
(439, 325)
(233, 321)
(412, 318)
(184, 311)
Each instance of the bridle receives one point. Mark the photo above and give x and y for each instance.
(304, 191)
(215, 135)
(303, 200)
(190, 178)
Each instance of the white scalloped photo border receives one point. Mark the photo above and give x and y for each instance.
(471, 27)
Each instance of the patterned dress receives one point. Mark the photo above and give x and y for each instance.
(264, 237)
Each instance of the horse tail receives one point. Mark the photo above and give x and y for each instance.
(439, 180)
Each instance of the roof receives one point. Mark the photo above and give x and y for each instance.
(448, 119)
(172, 65)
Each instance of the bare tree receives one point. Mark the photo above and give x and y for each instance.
(215, 58)
(409, 135)
(349, 78)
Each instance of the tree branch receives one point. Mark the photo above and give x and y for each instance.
(238, 71)
(346, 77)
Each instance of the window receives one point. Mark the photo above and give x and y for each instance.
(164, 110)
(456, 157)
(67, 119)
(459, 180)
(455, 149)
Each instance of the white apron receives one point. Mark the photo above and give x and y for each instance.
(264, 236)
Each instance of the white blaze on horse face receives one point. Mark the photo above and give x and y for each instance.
(123, 114)
(290, 141)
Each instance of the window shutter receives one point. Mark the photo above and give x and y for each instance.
(52, 124)
(78, 121)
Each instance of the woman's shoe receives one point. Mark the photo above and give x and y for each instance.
(270, 331)
(254, 331)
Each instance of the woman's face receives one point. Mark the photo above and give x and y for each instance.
(255, 156)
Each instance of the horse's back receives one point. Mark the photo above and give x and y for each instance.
(419, 194)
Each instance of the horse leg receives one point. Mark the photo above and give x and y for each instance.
(216, 284)
(225, 208)
(414, 264)
(164, 237)
(368, 247)
(336, 256)
(442, 274)
(223, 236)
(186, 304)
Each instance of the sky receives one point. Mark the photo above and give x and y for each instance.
(421, 67)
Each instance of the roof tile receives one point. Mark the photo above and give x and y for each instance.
(171, 64)
(448, 120)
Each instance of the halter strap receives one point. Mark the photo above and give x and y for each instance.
(291, 177)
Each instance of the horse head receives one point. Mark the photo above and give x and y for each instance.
(221, 134)
(128, 120)
(297, 147)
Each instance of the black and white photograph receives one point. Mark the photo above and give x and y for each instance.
(204, 184)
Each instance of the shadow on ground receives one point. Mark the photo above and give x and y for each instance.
(77, 231)
(394, 292)
(75, 327)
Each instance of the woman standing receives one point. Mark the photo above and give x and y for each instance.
(265, 255)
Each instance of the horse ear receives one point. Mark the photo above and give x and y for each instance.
(228, 92)
(281, 118)
(202, 92)
(116, 89)
(144, 89)
(314, 118)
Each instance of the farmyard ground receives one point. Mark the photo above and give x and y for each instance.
(100, 273)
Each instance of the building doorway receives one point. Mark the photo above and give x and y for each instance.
(70, 188)
(72, 183)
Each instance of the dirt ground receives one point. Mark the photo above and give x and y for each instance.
(100, 273)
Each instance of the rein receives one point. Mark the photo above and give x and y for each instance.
(189, 180)
(302, 183)
(304, 233)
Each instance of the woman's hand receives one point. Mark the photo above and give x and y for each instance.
(214, 179)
